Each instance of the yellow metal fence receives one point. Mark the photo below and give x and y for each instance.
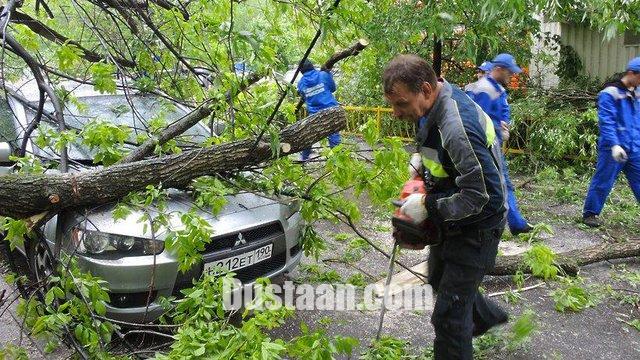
(359, 115)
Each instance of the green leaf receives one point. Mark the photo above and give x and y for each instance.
(522, 330)
(634, 323)
(271, 350)
(15, 230)
(100, 308)
(572, 296)
(199, 351)
(540, 260)
(68, 55)
(102, 74)
(345, 345)
(49, 297)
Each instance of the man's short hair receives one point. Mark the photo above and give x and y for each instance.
(410, 70)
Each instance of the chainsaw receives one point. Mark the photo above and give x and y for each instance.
(406, 232)
(407, 235)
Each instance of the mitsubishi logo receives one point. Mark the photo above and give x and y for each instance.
(240, 241)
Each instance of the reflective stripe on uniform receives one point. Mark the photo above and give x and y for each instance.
(487, 126)
(431, 163)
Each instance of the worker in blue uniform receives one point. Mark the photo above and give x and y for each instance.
(316, 89)
(618, 143)
(483, 69)
(489, 92)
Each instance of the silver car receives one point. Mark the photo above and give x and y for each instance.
(253, 236)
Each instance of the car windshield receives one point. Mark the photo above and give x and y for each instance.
(140, 113)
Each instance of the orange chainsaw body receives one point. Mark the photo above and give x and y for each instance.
(408, 234)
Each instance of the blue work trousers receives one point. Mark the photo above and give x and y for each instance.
(334, 140)
(514, 218)
(607, 171)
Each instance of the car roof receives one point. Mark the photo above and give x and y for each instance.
(28, 88)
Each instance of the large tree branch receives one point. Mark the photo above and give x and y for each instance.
(25, 195)
(167, 134)
(353, 50)
(571, 261)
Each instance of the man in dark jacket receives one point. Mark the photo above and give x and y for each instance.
(619, 142)
(461, 155)
(317, 88)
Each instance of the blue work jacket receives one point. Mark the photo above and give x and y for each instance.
(316, 88)
(492, 98)
(619, 117)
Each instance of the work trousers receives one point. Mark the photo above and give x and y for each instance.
(514, 218)
(607, 171)
(334, 140)
(456, 269)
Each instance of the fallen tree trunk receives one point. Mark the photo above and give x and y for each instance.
(26, 195)
(571, 261)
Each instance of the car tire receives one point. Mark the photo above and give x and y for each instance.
(39, 258)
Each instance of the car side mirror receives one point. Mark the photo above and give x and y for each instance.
(5, 152)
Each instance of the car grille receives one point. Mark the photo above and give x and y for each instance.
(129, 300)
(263, 268)
(245, 275)
(228, 241)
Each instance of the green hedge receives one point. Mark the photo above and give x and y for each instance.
(552, 136)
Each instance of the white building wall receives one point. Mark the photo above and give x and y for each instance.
(544, 60)
(600, 58)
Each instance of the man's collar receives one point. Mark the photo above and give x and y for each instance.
(445, 92)
(620, 85)
(495, 83)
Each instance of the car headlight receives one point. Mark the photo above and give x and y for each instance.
(290, 207)
(99, 243)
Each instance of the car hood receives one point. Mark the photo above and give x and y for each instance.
(242, 211)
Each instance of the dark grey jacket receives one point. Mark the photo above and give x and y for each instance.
(459, 149)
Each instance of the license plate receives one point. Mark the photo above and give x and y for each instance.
(239, 261)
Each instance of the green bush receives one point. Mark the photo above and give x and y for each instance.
(562, 137)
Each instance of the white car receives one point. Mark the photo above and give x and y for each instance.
(253, 236)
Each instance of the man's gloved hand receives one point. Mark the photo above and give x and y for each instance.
(415, 165)
(415, 208)
(618, 153)
(504, 128)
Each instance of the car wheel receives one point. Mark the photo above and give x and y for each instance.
(40, 262)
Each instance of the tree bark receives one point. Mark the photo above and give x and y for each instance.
(26, 195)
(437, 56)
(353, 50)
(571, 261)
